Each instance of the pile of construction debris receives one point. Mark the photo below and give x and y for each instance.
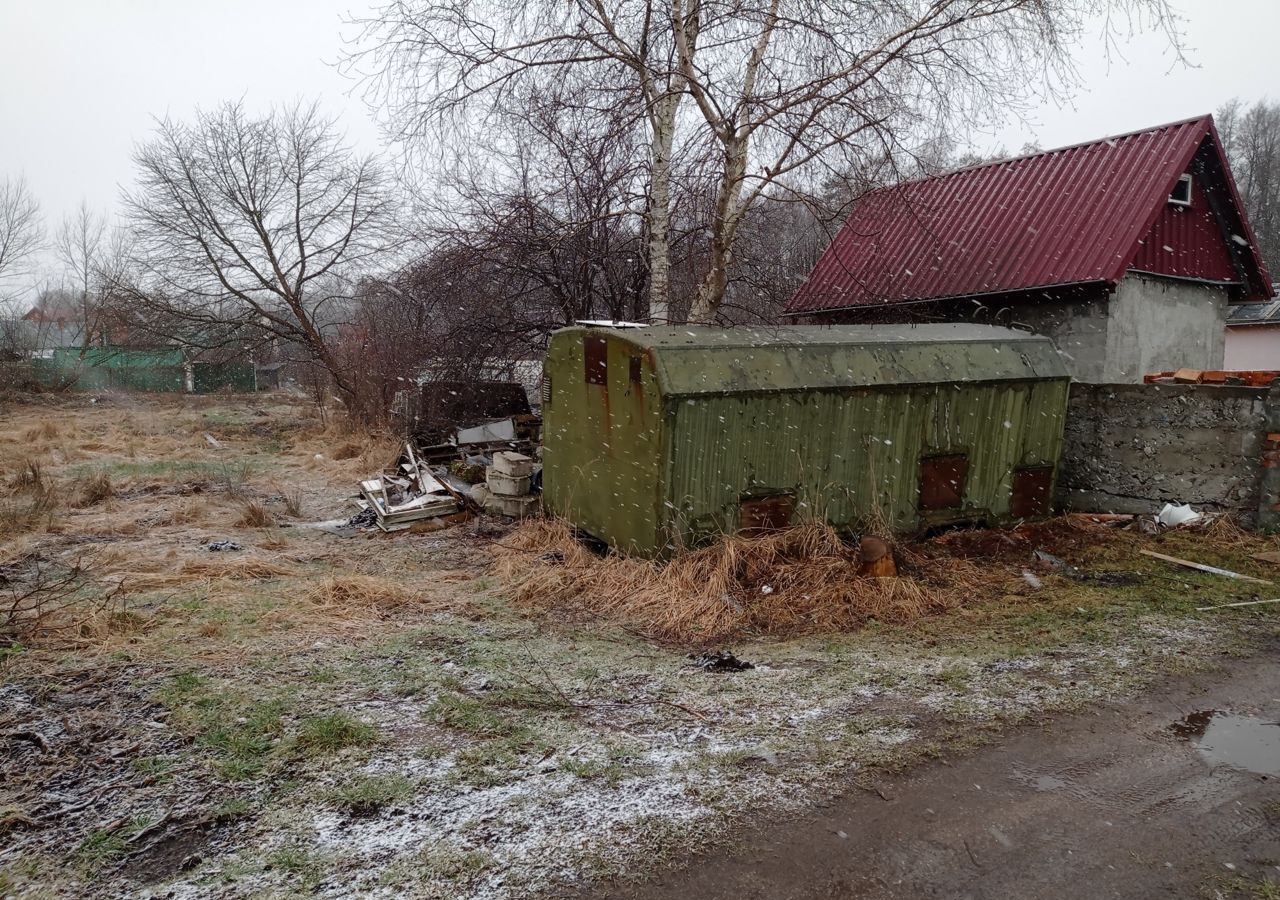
(409, 492)
(413, 491)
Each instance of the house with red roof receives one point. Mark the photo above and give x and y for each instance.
(1127, 251)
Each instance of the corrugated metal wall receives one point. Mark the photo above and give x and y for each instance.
(1188, 241)
(845, 454)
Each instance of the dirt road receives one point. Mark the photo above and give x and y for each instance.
(1158, 797)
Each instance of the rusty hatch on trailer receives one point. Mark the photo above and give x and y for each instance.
(596, 360)
(1032, 487)
(759, 515)
(942, 481)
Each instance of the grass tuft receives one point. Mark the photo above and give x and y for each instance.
(94, 489)
(255, 515)
(365, 796)
(334, 732)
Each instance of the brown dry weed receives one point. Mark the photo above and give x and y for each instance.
(358, 596)
(802, 580)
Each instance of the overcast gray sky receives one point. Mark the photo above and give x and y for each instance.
(81, 81)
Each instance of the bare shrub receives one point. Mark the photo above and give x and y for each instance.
(47, 606)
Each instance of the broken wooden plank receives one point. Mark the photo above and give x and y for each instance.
(1212, 570)
(1241, 603)
(1269, 556)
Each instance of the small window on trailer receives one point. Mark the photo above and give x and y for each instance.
(1181, 195)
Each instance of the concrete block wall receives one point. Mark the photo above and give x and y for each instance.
(1131, 448)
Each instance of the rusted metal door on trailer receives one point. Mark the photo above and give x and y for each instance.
(596, 360)
(1032, 488)
(760, 515)
(942, 481)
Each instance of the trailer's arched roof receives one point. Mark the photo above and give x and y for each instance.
(694, 360)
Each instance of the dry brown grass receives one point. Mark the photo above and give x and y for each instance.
(28, 475)
(361, 596)
(46, 430)
(27, 512)
(1224, 531)
(254, 515)
(142, 575)
(94, 489)
(348, 450)
(801, 580)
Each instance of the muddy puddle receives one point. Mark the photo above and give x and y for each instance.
(1228, 739)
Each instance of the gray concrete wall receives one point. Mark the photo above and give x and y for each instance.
(1161, 324)
(1149, 324)
(1131, 448)
(1078, 329)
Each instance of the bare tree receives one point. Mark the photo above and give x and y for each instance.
(784, 92)
(260, 222)
(1251, 138)
(433, 66)
(787, 88)
(21, 227)
(558, 226)
(79, 244)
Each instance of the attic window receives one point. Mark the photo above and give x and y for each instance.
(1181, 195)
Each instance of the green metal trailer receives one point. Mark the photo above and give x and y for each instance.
(658, 438)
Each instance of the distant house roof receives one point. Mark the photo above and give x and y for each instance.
(1077, 215)
(1254, 314)
(54, 313)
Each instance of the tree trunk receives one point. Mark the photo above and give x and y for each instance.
(658, 213)
(724, 226)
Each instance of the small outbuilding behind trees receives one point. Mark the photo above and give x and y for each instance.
(659, 438)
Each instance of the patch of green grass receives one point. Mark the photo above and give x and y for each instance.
(496, 761)
(366, 795)
(231, 809)
(105, 845)
(609, 769)
(294, 859)
(245, 741)
(1252, 888)
(243, 732)
(524, 696)
(333, 732)
(464, 713)
(954, 676)
(323, 675)
(181, 685)
(157, 767)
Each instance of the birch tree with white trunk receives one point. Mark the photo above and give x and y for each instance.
(439, 70)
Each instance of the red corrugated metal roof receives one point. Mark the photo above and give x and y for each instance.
(1069, 216)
